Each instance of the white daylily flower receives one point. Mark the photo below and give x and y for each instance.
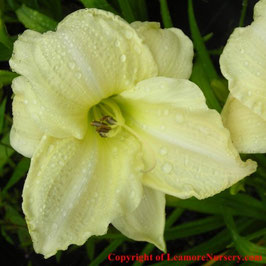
(243, 63)
(108, 136)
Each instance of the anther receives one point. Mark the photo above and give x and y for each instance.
(110, 120)
(104, 125)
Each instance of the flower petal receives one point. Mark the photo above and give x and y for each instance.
(146, 223)
(25, 135)
(194, 153)
(247, 129)
(243, 63)
(171, 48)
(74, 188)
(92, 55)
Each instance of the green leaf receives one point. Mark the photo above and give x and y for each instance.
(200, 78)
(5, 53)
(6, 236)
(34, 20)
(243, 13)
(242, 245)
(240, 204)
(236, 188)
(19, 172)
(194, 228)
(2, 6)
(2, 113)
(13, 216)
(165, 14)
(4, 37)
(220, 88)
(126, 10)
(203, 55)
(54, 8)
(103, 255)
(5, 151)
(214, 245)
(90, 247)
(58, 256)
(101, 4)
(141, 9)
(6, 77)
(173, 217)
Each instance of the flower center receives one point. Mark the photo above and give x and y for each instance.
(108, 121)
(107, 118)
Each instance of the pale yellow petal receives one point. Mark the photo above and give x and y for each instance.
(243, 63)
(193, 151)
(75, 188)
(146, 223)
(171, 48)
(247, 129)
(53, 116)
(25, 135)
(92, 55)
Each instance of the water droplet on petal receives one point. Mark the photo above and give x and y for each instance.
(167, 168)
(137, 49)
(123, 58)
(117, 43)
(163, 151)
(129, 34)
(132, 194)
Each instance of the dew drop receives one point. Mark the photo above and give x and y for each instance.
(129, 34)
(123, 58)
(246, 63)
(179, 118)
(163, 151)
(167, 168)
(117, 43)
(132, 194)
(137, 49)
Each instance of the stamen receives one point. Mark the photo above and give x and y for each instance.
(108, 118)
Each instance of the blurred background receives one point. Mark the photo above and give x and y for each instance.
(232, 222)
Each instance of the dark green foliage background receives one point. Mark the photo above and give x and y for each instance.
(232, 222)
